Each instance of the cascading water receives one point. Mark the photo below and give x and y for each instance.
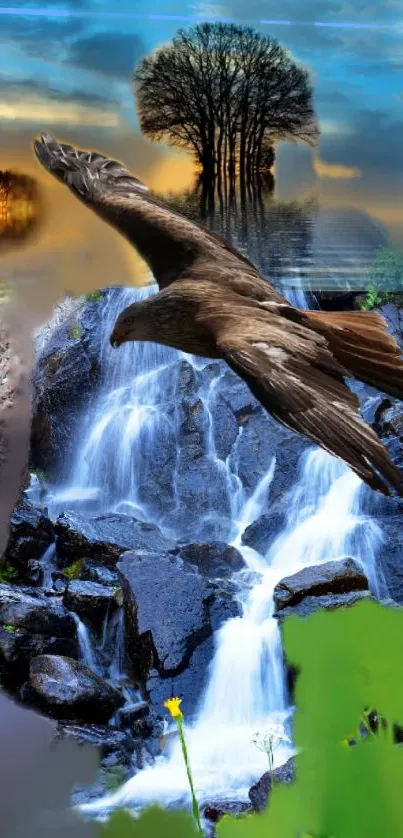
(246, 688)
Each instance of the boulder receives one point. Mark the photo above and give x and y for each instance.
(264, 530)
(104, 538)
(35, 613)
(255, 449)
(334, 577)
(65, 381)
(107, 740)
(92, 572)
(31, 533)
(328, 601)
(90, 600)
(18, 647)
(166, 610)
(190, 684)
(69, 691)
(216, 810)
(259, 793)
(213, 560)
(226, 428)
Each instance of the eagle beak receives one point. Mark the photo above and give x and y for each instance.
(114, 342)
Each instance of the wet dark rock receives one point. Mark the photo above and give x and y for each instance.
(262, 532)
(394, 319)
(328, 602)
(105, 537)
(18, 647)
(226, 427)
(137, 717)
(335, 577)
(289, 450)
(33, 573)
(216, 810)
(213, 560)
(69, 691)
(390, 558)
(166, 610)
(34, 612)
(31, 532)
(108, 740)
(65, 380)
(238, 396)
(99, 573)
(256, 448)
(259, 793)
(90, 600)
(187, 379)
(188, 685)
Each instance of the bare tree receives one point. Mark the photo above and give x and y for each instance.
(227, 93)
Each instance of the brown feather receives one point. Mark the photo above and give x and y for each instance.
(215, 304)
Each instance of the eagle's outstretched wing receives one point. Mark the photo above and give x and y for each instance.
(170, 243)
(295, 376)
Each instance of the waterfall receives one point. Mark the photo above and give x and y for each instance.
(246, 689)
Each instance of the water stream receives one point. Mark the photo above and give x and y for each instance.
(246, 688)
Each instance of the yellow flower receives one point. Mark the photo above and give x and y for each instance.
(172, 704)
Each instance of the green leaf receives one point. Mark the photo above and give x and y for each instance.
(155, 822)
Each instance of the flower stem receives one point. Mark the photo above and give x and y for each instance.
(195, 805)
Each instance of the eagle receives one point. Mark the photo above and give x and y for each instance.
(214, 303)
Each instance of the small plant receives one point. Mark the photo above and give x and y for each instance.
(173, 706)
(73, 570)
(93, 297)
(8, 573)
(75, 332)
(39, 473)
(9, 628)
(269, 741)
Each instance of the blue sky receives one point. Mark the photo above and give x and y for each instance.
(66, 67)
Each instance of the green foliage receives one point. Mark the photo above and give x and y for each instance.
(10, 629)
(155, 822)
(94, 297)
(73, 570)
(386, 278)
(39, 473)
(349, 660)
(8, 573)
(75, 332)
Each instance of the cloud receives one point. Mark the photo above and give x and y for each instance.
(110, 53)
(45, 111)
(335, 171)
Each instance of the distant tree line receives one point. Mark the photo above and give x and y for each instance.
(19, 205)
(226, 93)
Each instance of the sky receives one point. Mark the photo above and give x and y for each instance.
(66, 67)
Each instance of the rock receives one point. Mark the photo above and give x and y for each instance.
(35, 613)
(390, 558)
(137, 717)
(18, 647)
(328, 601)
(65, 380)
(107, 740)
(69, 691)
(262, 532)
(238, 396)
(188, 685)
(225, 427)
(166, 610)
(90, 600)
(31, 532)
(260, 791)
(213, 560)
(105, 537)
(255, 449)
(335, 577)
(216, 810)
(99, 573)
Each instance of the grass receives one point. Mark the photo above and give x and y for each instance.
(75, 332)
(93, 297)
(73, 570)
(8, 573)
